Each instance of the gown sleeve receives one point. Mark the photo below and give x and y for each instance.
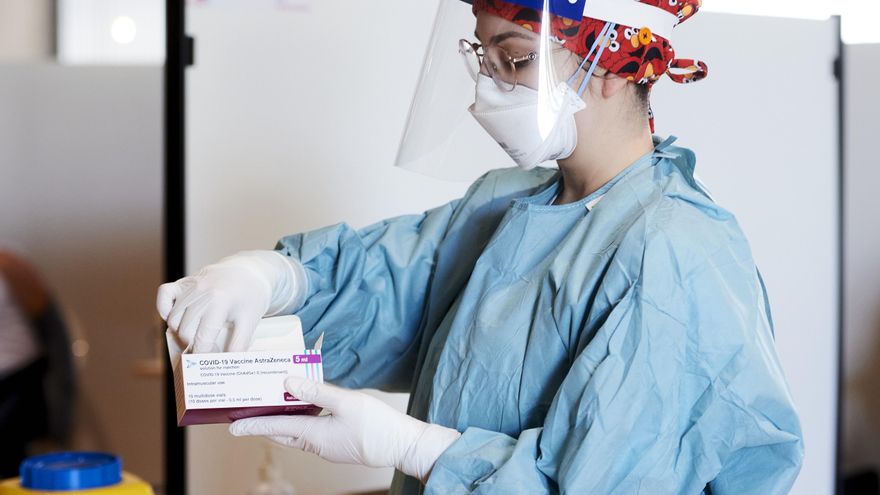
(679, 391)
(367, 289)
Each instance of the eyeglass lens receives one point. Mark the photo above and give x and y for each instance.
(496, 62)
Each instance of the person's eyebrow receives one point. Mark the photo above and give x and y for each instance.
(498, 38)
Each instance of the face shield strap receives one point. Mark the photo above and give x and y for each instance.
(601, 42)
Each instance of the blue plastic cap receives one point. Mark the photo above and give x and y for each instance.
(571, 9)
(70, 471)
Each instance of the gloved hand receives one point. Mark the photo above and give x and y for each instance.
(233, 293)
(359, 430)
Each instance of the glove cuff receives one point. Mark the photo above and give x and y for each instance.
(291, 288)
(284, 278)
(420, 458)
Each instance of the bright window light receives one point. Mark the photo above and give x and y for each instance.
(123, 30)
(859, 18)
(799, 9)
(860, 25)
(113, 32)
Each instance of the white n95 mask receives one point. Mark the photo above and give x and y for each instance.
(530, 131)
(533, 123)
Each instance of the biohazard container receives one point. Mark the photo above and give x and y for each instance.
(74, 473)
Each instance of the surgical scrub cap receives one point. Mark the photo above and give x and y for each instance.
(632, 52)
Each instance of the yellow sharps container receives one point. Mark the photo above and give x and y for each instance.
(74, 473)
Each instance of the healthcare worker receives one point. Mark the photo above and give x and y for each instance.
(600, 328)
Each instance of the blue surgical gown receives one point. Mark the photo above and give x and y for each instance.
(623, 349)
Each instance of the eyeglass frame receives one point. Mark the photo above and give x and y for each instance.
(475, 49)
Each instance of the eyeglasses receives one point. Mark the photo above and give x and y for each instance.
(499, 65)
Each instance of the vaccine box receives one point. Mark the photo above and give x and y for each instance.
(221, 387)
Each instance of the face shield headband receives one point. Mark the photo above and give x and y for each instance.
(639, 48)
(445, 134)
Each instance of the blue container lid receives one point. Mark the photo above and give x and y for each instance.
(70, 471)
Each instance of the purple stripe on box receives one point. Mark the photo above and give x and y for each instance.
(230, 414)
(306, 358)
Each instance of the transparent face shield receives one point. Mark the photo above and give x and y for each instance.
(492, 94)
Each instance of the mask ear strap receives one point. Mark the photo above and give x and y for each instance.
(595, 63)
(602, 34)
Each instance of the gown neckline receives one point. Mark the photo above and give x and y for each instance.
(542, 200)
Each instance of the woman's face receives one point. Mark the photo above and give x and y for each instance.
(502, 40)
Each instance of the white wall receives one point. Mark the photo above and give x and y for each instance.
(80, 195)
(284, 137)
(286, 134)
(767, 149)
(862, 307)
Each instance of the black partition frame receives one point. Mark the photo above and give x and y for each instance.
(180, 55)
(840, 75)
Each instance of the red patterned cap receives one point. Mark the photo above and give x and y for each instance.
(632, 52)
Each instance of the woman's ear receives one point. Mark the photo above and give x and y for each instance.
(612, 85)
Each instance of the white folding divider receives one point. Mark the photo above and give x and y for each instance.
(295, 111)
(764, 128)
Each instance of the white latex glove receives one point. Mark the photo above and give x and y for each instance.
(233, 293)
(359, 430)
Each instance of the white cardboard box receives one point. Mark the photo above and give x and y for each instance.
(221, 387)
